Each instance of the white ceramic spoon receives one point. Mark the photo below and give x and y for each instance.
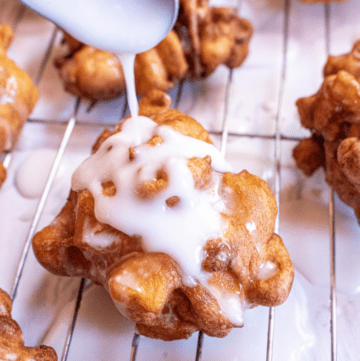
(116, 26)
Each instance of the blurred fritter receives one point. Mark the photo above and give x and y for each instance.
(86, 72)
(244, 266)
(203, 38)
(211, 36)
(98, 75)
(18, 95)
(11, 338)
(6, 36)
(349, 62)
(333, 116)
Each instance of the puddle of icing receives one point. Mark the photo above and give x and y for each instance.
(33, 172)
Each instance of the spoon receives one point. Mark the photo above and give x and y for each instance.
(116, 26)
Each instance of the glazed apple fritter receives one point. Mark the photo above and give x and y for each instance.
(247, 263)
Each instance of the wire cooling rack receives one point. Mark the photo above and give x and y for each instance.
(15, 13)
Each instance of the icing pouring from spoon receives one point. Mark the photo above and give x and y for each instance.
(122, 27)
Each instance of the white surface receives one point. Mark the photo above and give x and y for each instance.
(44, 302)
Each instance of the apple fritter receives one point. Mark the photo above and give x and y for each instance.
(333, 116)
(170, 289)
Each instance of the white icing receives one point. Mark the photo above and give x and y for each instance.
(6, 98)
(3, 310)
(97, 239)
(127, 62)
(180, 231)
(222, 256)
(129, 280)
(266, 270)
(251, 226)
(230, 304)
(33, 172)
(11, 356)
(233, 308)
(8, 90)
(11, 88)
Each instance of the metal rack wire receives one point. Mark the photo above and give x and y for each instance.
(277, 138)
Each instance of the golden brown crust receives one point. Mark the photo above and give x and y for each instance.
(346, 189)
(85, 72)
(261, 291)
(149, 287)
(151, 72)
(349, 62)
(309, 155)
(211, 36)
(2, 174)
(348, 155)
(6, 36)
(11, 337)
(333, 116)
(18, 88)
(98, 75)
(171, 54)
(176, 320)
(183, 124)
(203, 38)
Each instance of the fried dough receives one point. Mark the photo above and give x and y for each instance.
(18, 95)
(11, 338)
(244, 265)
(333, 116)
